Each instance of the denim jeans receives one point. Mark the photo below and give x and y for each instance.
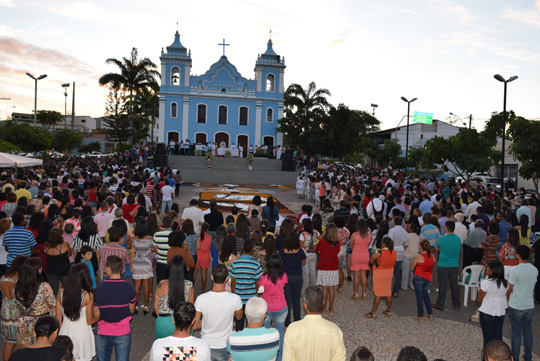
(166, 204)
(448, 275)
(521, 322)
(162, 272)
(105, 344)
(219, 354)
(293, 290)
(492, 327)
(279, 323)
(421, 288)
(397, 277)
(309, 271)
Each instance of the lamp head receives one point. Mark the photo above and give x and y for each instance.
(374, 105)
(404, 99)
(65, 85)
(413, 99)
(512, 78)
(499, 78)
(31, 76)
(451, 113)
(42, 76)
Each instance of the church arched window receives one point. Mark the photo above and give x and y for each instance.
(270, 83)
(201, 113)
(269, 115)
(222, 114)
(174, 110)
(243, 116)
(175, 76)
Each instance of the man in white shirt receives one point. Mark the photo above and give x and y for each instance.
(460, 230)
(399, 235)
(102, 220)
(215, 313)
(181, 344)
(167, 193)
(377, 206)
(195, 214)
(471, 208)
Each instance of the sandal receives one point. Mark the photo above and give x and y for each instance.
(364, 295)
(145, 310)
(387, 313)
(372, 315)
(136, 310)
(354, 296)
(431, 318)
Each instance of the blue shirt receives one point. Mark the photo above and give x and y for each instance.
(271, 220)
(425, 206)
(523, 277)
(254, 344)
(246, 270)
(503, 232)
(92, 273)
(19, 241)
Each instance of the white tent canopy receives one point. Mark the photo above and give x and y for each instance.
(16, 161)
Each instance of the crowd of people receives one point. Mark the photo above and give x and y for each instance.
(86, 239)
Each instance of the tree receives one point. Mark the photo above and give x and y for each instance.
(65, 140)
(134, 75)
(26, 137)
(49, 118)
(389, 153)
(147, 104)
(468, 151)
(525, 147)
(90, 147)
(117, 125)
(7, 147)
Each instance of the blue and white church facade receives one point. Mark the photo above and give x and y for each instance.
(220, 105)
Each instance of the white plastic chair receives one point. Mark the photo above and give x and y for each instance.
(474, 282)
(507, 270)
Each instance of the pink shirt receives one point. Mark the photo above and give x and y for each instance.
(274, 293)
(102, 220)
(68, 238)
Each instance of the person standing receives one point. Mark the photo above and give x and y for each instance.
(161, 242)
(114, 303)
(18, 241)
(522, 280)
(360, 258)
(314, 338)
(102, 220)
(58, 253)
(195, 214)
(167, 193)
(492, 301)
(294, 258)
(383, 261)
(422, 266)
(245, 273)
(256, 342)
(271, 214)
(448, 247)
(399, 235)
(177, 182)
(215, 311)
(328, 274)
(214, 219)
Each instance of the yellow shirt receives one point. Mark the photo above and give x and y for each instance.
(21, 192)
(314, 339)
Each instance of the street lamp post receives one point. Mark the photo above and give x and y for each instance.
(65, 86)
(462, 121)
(407, 141)
(505, 119)
(43, 76)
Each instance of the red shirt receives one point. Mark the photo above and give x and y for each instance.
(128, 208)
(328, 256)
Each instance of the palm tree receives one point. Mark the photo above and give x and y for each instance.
(135, 75)
(147, 104)
(302, 101)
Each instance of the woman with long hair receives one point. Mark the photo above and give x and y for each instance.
(221, 233)
(169, 293)
(256, 204)
(294, 258)
(343, 237)
(351, 227)
(54, 215)
(153, 223)
(191, 239)
(524, 230)
(45, 330)
(203, 255)
(328, 274)
(130, 208)
(287, 226)
(125, 241)
(227, 256)
(383, 271)
(422, 266)
(43, 234)
(308, 240)
(33, 298)
(490, 244)
(9, 311)
(242, 227)
(58, 253)
(88, 236)
(413, 232)
(492, 301)
(141, 263)
(274, 280)
(507, 254)
(359, 244)
(271, 214)
(74, 311)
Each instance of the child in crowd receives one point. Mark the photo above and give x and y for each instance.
(86, 257)
(68, 238)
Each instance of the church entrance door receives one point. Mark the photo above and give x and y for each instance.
(222, 137)
(269, 141)
(173, 136)
(200, 138)
(243, 142)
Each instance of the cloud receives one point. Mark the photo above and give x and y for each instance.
(82, 10)
(7, 3)
(13, 51)
(453, 9)
(528, 17)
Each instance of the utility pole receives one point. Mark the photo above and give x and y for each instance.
(73, 109)
(470, 121)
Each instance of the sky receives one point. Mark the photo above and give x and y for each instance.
(443, 52)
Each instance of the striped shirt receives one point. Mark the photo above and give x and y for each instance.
(114, 249)
(19, 241)
(94, 242)
(431, 233)
(113, 298)
(254, 344)
(161, 240)
(246, 270)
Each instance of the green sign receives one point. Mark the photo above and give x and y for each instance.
(424, 118)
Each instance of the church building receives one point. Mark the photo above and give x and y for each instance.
(221, 105)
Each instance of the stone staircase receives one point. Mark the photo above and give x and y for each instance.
(232, 171)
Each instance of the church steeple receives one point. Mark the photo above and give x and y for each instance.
(176, 47)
